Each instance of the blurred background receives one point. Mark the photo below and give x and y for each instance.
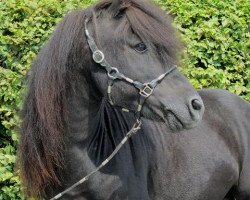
(215, 34)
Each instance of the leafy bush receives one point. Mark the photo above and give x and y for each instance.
(217, 38)
(25, 26)
(216, 34)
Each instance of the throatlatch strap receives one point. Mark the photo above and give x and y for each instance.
(110, 84)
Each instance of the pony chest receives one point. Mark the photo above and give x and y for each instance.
(196, 167)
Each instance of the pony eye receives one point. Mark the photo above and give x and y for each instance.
(140, 47)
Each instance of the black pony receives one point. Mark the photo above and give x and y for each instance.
(191, 145)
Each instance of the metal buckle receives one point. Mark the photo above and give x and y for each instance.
(113, 72)
(98, 56)
(146, 91)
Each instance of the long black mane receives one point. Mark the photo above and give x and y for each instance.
(44, 113)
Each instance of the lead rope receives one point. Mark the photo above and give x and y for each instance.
(133, 130)
(145, 90)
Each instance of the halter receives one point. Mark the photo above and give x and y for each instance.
(145, 90)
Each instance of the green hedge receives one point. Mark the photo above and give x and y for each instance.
(217, 38)
(216, 34)
(25, 26)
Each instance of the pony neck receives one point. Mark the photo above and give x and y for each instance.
(91, 119)
(107, 129)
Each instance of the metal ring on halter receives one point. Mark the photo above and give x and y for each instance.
(98, 56)
(147, 90)
(113, 72)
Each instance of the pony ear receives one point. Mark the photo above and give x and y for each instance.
(118, 7)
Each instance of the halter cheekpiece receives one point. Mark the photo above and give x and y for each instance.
(145, 90)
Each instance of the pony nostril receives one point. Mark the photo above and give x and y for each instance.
(196, 104)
